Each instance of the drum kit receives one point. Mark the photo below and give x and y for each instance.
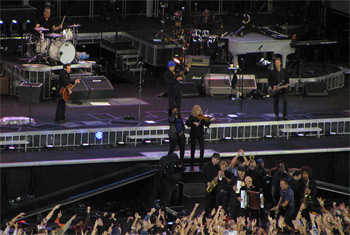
(203, 43)
(58, 47)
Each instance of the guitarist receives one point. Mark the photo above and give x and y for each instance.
(279, 81)
(63, 82)
(172, 80)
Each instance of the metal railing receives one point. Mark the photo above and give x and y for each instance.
(216, 132)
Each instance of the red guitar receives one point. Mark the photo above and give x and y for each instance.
(64, 92)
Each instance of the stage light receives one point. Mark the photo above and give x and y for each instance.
(12, 148)
(148, 141)
(85, 144)
(121, 143)
(99, 135)
(166, 141)
(3, 29)
(150, 122)
(26, 26)
(14, 28)
(177, 60)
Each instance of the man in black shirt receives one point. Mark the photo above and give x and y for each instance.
(223, 191)
(46, 22)
(279, 81)
(172, 82)
(209, 173)
(63, 82)
(206, 22)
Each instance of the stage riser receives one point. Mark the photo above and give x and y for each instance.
(217, 132)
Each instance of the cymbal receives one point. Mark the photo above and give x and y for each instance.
(74, 26)
(41, 29)
(53, 35)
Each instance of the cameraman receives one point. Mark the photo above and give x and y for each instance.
(172, 169)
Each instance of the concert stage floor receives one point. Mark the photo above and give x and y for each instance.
(153, 108)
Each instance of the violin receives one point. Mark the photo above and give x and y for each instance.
(201, 117)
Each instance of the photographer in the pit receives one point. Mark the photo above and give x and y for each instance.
(172, 169)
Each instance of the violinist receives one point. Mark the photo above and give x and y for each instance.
(196, 121)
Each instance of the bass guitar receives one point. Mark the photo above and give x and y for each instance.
(64, 92)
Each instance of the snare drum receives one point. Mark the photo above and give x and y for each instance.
(62, 51)
(68, 34)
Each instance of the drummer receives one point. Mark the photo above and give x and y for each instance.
(206, 22)
(46, 22)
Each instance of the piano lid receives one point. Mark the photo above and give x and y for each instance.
(252, 38)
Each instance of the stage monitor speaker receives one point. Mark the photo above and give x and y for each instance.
(249, 83)
(196, 75)
(99, 86)
(217, 84)
(197, 60)
(30, 92)
(80, 90)
(189, 89)
(315, 89)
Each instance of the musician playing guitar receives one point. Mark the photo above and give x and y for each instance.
(172, 79)
(65, 88)
(279, 81)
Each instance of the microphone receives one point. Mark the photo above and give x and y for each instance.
(260, 47)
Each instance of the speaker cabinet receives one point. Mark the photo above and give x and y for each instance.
(80, 90)
(189, 89)
(197, 60)
(30, 92)
(249, 83)
(99, 86)
(217, 84)
(315, 89)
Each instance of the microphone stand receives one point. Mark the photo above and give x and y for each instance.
(241, 89)
(140, 64)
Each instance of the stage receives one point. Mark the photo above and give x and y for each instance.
(126, 131)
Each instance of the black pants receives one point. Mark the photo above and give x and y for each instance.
(276, 98)
(210, 201)
(200, 139)
(180, 140)
(61, 110)
(171, 194)
(175, 98)
(222, 199)
(233, 206)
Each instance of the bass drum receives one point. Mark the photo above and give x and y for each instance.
(62, 51)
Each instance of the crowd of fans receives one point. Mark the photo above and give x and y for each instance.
(333, 221)
(228, 209)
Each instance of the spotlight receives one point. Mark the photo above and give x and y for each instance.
(177, 60)
(85, 144)
(148, 141)
(99, 135)
(14, 28)
(3, 29)
(12, 148)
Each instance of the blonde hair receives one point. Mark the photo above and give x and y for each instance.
(194, 110)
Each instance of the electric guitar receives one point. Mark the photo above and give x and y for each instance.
(273, 92)
(64, 91)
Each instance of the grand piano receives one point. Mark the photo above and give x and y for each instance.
(256, 42)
